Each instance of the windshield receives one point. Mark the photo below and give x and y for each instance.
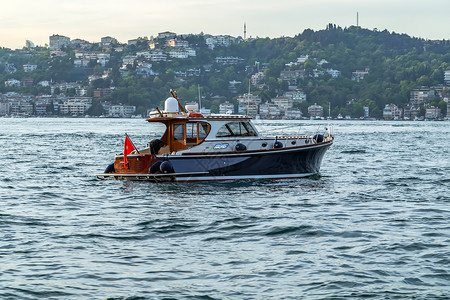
(236, 129)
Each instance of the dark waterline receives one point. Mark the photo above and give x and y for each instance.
(373, 224)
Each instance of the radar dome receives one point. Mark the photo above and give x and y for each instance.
(171, 105)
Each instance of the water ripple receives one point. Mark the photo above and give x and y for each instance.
(372, 224)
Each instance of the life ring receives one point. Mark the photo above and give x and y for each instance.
(195, 115)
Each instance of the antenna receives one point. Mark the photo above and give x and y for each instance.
(245, 31)
(199, 99)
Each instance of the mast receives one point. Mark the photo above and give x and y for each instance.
(199, 98)
(248, 96)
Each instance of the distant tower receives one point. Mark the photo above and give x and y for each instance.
(357, 19)
(29, 44)
(245, 31)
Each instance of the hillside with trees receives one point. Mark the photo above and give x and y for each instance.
(395, 65)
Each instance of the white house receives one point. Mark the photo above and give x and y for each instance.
(76, 106)
(29, 67)
(121, 110)
(129, 59)
(12, 82)
(296, 95)
(315, 111)
(447, 77)
(269, 111)
(283, 102)
(58, 41)
(334, 73)
(226, 108)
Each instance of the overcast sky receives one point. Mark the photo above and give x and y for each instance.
(36, 20)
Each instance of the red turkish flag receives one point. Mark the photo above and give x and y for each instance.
(128, 147)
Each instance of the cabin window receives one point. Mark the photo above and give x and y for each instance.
(196, 130)
(178, 132)
(191, 130)
(203, 130)
(236, 129)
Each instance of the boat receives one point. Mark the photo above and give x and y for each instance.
(197, 147)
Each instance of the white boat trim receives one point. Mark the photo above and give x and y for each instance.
(241, 177)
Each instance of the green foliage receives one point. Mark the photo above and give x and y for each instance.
(397, 63)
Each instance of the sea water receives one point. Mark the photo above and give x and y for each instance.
(373, 224)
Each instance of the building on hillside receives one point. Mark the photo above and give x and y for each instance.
(41, 109)
(421, 95)
(180, 53)
(177, 43)
(366, 112)
(20, 107)
(283, 102)
(4, 107)
(103, 93)
(334, 73)
(157, 56)
(229, 60)
(27, 82)
(81, 91)
(411, 112)
(103, 58)
(293, 114)
(226, 108)
(392, 112)
(10, 68)
(44, 83)
(145, 69)
(249, 98)
(359, 75)
(248, 109)
(132, 42)
(233, 86)
(220, 41)
(107, 41)
(29, 44)
(296, 96)
(58, 41)
(166, 35)
(292, 75)
(145, 54)
(432, 113)
(447, 77)
(269, 110)
(257, 78)
(76, 106)
(315, 111)
(29, 67)
(80, 44)
(129, 59)
(12, 82)
(121, 111)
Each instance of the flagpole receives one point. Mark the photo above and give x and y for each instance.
(132, 143)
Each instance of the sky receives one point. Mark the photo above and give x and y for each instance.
(36, 20)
